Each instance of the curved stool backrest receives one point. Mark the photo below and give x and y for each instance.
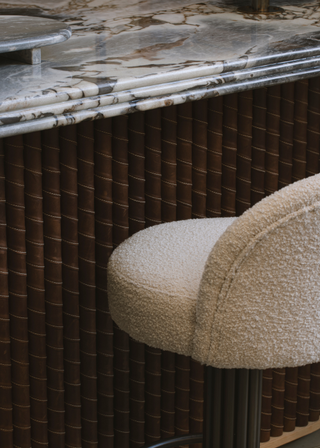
(259, 298)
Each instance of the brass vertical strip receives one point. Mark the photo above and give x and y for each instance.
(299, 150)
(286, 134)
(272, 139)
(136, 136)
(260, 5)
(169, 164)
(184, 161)
(214, 158)
(266, 409)
(313, 127)
(182, 403)
(303, 402)
(36, 289)
(314, 406)
(278, 390)
(199, 158)
(6, 428)
(18, 306)
(53, 285)
(120, 233)
(196, 399)
(229, 155)
(244, 153)
(103, 249)
(70, 276)
(258, 145)
(87, 285)
(290, 398)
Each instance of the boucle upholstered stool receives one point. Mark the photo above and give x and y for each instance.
(237, 294)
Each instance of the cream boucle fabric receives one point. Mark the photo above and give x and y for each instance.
(259, 299)
(154, 277)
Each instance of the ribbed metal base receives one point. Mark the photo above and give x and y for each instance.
(232, 411)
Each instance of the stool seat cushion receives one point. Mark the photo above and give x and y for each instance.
(154, 277)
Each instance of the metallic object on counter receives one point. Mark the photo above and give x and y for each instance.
(260, 5)
(21, 37)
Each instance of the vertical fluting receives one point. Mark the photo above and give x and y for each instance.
(278, 389)
(286, 134)
(258, 145)
(6, 427)
(120, 233)
(53, 285)
(199, 158)
(313, 127)
(169, 164)
(266, 405)
(303, 400)
(229, 155)
(244, 153)
(136, 157)
(214, 157)
(290, 399)
(18, 305)
(70, 276)
(314, 405)
(103, 249)
(299, 150)
(36, 289)
(184, 161)
(153, 217)
(87, 285)
(272, 139)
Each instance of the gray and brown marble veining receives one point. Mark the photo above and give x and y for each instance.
(128, 51)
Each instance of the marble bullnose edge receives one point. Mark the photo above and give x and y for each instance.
(156, 102)
(225, 81)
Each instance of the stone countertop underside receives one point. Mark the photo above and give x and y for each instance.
(128, 55)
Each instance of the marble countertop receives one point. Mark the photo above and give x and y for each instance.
(128, 55)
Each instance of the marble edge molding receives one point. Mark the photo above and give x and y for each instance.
(161, 90)
(145, 104)
(87, 88)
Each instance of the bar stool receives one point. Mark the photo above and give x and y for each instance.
(237, 294)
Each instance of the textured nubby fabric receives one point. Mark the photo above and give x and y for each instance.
(258, 303)
(154, 277)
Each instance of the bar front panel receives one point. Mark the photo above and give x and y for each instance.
(68, 376)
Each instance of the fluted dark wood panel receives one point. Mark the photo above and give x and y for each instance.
(18, 306)
(120, 233)
(36, 289)
(103, 249)
(87, 285)
(214, 157)
(53, 286)
(70, 278)
(136, 174)
(244, 152)
(68, 376)
(6, 427)
(229, 155)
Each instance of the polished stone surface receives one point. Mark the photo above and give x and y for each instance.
(128, 55)
(25, 33)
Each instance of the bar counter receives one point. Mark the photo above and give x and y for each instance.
(153, 111)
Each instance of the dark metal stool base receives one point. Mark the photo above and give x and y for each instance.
(232, 411)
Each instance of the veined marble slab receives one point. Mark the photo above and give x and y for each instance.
(129, 52)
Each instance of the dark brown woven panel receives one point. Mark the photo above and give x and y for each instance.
(68, 376)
